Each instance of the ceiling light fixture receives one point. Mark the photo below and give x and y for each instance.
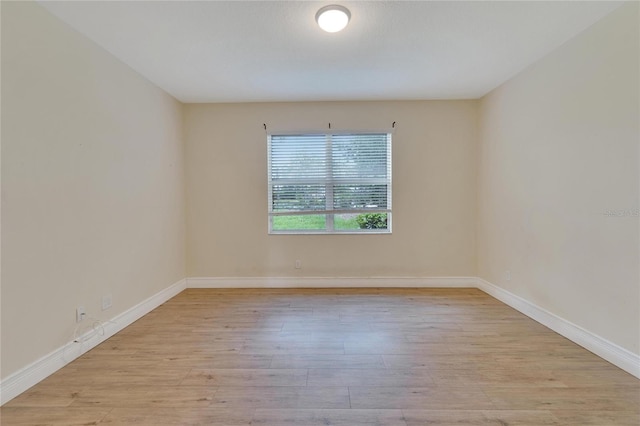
(333, 18)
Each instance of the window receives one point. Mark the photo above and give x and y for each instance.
(329, 183)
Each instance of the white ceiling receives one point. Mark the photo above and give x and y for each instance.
(239, 51)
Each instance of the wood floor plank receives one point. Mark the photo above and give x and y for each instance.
(495, 375)
(368, 377)
(54, 416)
(275, 348)
(388, 357)
(178, 417)
(328, 417)
(434, 397)
(48, 394)
(596, 377)
(145, 396)
(324, 326)
(384, 347)
(327, 361)
(479, 418)
(583, 398)
(124, 375)
(597, 418)
(246, 377)
(283, 397)
(440, 361)
(174, 361)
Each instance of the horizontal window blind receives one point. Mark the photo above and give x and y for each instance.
(329, 174)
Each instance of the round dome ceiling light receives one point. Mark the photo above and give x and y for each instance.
(333, 18)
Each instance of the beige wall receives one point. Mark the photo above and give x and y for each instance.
(92, 184)
(559, 147)
(434, 157)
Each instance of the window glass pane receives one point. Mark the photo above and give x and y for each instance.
(359, 156)
(299, 222)
(298, 197)
(345, 222)
(298, 157)
(372, 220)
(359, 197)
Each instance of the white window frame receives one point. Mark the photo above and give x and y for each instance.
(329, 212)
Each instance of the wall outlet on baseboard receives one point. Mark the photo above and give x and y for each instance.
(298, 264)
(107, 301)
(507, 275)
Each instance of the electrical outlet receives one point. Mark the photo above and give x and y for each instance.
(507, 275)
(80, 313)
(298, 264)
(107, 301)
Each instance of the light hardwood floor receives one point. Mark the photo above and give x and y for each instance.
(351, 357)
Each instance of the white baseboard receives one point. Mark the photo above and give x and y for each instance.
(330, 282)
(37, 371)
(626, 360)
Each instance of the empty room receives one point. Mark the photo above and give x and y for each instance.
(314, 213)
